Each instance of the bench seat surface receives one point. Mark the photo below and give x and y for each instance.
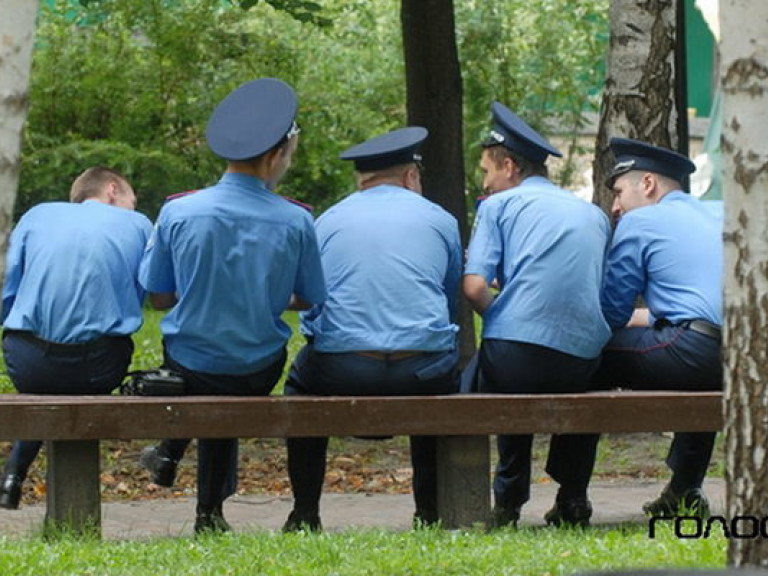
(119, 417)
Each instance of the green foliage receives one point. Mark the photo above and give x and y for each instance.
(543, 59)
(528, 551)
(299, 9)
(47, 172)
(133, 82)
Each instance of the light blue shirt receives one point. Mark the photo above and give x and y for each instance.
(233, 254)
(392, 263)
(72, 272)
(672, 254)
(547, 249)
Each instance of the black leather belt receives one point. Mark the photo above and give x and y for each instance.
(703, 327)
(59, 348)
(388, 355)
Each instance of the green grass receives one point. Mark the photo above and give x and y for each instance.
(370, 552)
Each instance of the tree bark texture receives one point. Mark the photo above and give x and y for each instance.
(17, 35)
(434, 95)
(639, 95)
(744, 83)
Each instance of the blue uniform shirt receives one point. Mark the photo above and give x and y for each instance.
(546, 248)
(71, 272)
(392, 262)
(672, 254)
(233, 254)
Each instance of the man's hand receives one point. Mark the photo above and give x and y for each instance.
(639, 318)
(478, 292)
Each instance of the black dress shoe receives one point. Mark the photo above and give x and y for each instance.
(572, 512)
(10, 492)
(211, 523)
(162, 469)
(504, 518)
(299, 522)
(690, 503)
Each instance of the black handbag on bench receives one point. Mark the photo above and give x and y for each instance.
(158, 382)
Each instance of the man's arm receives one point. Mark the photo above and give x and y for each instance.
(478, 292)
(14, 270)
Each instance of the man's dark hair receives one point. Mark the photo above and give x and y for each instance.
(527, 167)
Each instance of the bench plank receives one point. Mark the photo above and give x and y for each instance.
(116, 417)
(73, 425)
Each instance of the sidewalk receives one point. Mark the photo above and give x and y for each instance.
(613, 502)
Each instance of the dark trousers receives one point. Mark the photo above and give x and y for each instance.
(36, 366)
(664, 358)
(217, 457)
(350, 374)
(509, 367)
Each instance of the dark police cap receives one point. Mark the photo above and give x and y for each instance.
(390, 149)
(252, 119)
(635, 155)
(513, 133)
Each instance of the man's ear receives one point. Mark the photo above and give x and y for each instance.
(650, 185)
(271, 158)
(112, 192)
(510, 168)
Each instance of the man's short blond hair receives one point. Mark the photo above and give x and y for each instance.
(91, 183)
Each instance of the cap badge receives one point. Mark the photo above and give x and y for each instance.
(497, 136)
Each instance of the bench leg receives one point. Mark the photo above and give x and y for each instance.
(463, 481)
(74, 497)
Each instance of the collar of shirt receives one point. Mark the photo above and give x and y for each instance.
(531, 182)
(674, 195)
(387, 188)
(242, 180)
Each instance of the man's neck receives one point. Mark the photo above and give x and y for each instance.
(257, 170)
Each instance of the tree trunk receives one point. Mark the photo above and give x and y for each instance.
(434, 94)
(17, 35)
(639, 99)
(744, 82)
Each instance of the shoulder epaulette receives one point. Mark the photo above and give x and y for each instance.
(308, 207)
(179, 195)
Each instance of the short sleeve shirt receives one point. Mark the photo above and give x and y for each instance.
(72, 272)
(233, 254)
(392, 261)
(671, 253)
(547, 249)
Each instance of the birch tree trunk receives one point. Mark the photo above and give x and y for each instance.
(744, 81)
(639, 95)
(17, 35)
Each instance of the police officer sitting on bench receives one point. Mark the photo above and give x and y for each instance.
(543, 333)
(227, 261)
(392, 262)
(667, 248)
(71, 299)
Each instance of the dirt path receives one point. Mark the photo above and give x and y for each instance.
(354, 466)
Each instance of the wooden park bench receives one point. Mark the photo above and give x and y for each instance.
(74, 425)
